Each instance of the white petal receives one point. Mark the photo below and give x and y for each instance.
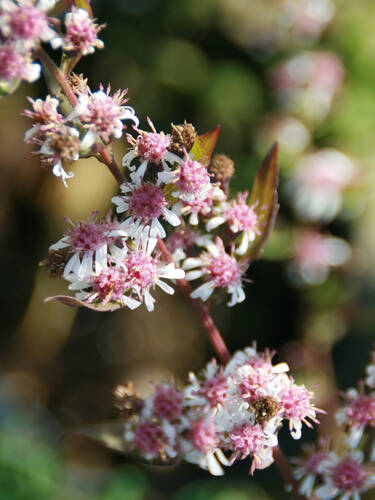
(166, 288)
(204, 291)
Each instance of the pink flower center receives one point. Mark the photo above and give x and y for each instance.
(200, 206)
(362, 410)
(152, 146)
(192, 176)
(149, 438)
(296, 402)
(87, 236)
(252, 381)
(246, 439)
(110, 284)
(204, 436)
(348, 476)
(215, 390)
(314, 461)
(147, 201)
(242, 217)
(11, 63)
(168, 403)
(28, 23)
(81, 33)
(142, 269)
(224, 270)
(103, 114)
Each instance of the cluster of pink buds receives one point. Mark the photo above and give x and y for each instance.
(344, 468)
(223, 414)
(25, 24)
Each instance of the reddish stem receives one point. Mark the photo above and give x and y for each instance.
(59, 76)
(213, 333)
(287, 474)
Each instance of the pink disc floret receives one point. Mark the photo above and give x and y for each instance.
(246, 439)
(204, 436)
(147, 201)
(312, 463)
(149, 438)
(192, 176)
(110, 284)
(240, 216)
(215, 390)
(361, 410)
(142, 269)
(12, 64)
(28, 23)
(90, 235)
(349, 476)
(152, 146)
(168, 403)
(224, 270)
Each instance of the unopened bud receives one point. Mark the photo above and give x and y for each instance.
(55, 262)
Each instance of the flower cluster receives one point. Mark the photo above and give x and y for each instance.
(25, 24)
(165, 194)
(344, 468)
(62, 139)
(222, 415)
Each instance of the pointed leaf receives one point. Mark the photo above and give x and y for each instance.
(74, 302)
(204, 145)
(264, 197)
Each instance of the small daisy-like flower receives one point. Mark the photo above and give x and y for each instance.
(90, 244)
(145, 272)
(199, 204)
(150, 147)
(248, 439)
(192, 178)
(202, 448)
(221, 270)
(308, 469)
(345, 477)
(14, 65)
(45, 115)
(297, 407)
(102, 114)
(143, 204)
(152, 439)
(357, 415)
(241, 218)
(26, 21)
(211, 388)
(81, 33)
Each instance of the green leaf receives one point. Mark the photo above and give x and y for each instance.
(264, 198)
(74, 302)
(204, 146)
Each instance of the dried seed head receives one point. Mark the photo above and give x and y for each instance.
(77, 83)
(126, 401)
(183, 137)
(66, 146)
(265, 408)
(55, 262)
(221, 167)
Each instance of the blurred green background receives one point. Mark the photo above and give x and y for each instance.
(207, 62)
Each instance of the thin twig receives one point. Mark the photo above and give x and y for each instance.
(213, 333)
(60, 78)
